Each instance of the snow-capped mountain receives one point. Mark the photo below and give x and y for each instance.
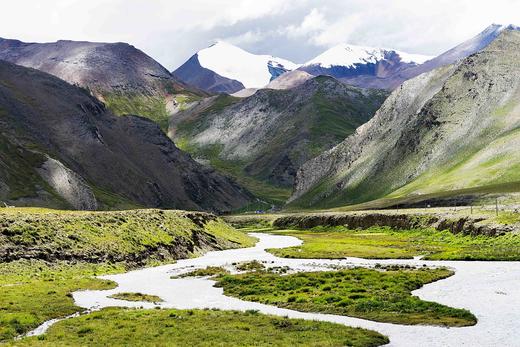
(225, 68)
(362, 66)
(352, 56)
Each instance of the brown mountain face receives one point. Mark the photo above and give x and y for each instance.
(100, 67)
(122, 76)
(60, 147)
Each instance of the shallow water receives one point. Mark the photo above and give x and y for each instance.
(490, 290)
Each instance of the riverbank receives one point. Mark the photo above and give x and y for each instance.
(495, 306)
(47, 254)
(465, 220)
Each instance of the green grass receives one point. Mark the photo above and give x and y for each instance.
(267, 192)
(379, 295)
(250, 266)
(209, 271)
(82, 244)
(385, 243)
(33, 291)
(500, 188)
(152, 107)
(136, 297)
(127, 327)
(134, 236)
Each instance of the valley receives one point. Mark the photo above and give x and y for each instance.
(245, 174)
(249, 274)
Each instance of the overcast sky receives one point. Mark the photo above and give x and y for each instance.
(171, 30)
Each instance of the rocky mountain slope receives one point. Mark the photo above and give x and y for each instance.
(60, 147)
(264, 138)
(451, 129)
(122, 76)
(224, 68)
(365, 67)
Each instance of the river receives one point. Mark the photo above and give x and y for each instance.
(490, 290)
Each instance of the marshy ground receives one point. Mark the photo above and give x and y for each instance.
(36, 290)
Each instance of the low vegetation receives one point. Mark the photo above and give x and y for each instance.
(135, 237)
(152, 107)
(379, 295)
(124, 327)
(33, 291)
(47, 254)
(136, 297)
(209, 271)
(386, 243)
(250, 266)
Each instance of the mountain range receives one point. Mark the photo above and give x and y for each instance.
(231, 68)
(261, 140)
(126, 79)
(352, 126)
(447, 131)
(60, 147)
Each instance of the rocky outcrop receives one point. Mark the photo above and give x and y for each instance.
(68, 184)
(125, 161)
(449, 129)
(455, 224)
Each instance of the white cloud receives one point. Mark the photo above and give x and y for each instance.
(171, 30)
(314, 21)
(249, 37)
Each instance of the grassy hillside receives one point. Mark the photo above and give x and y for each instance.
(450, 130)
(261, 140)
(134, 236)
(155, 107)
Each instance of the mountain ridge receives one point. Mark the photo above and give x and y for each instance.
(126, 79)
(62, 148)
(439, 124)
(266, 136)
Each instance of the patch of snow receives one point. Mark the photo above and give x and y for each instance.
(232, 62)
(413, 58)
(349, 55)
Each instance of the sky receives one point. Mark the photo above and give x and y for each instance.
(171, 31)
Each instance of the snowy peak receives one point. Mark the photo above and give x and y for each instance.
(350, 55)
(252, 70)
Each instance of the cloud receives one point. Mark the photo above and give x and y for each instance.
(249, 37)
(313, 22)
(171, 31)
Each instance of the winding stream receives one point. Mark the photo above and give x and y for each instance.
(490, 290)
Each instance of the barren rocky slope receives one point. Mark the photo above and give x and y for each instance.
(60, 147)
(125, 78)
(453, 128)
(268, 135)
